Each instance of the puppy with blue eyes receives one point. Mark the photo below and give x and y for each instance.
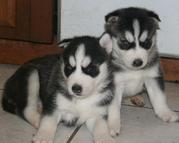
(73, 88)
(136, 61)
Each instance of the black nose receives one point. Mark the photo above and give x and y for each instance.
(137, 63)
(76, 88)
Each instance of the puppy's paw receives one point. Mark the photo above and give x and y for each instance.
(36, 121)
(43, 137)
(114, 128)
(33, 117)
(138, 101)
(168, 116)
(104, 138)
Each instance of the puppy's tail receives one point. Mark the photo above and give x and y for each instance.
(8, 105)
(8, 99)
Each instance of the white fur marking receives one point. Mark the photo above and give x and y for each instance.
(106, 43)
(47, 130)
(158, 100)
(101, 133)
(114, 120)
(143, 36)
(86, 62)
(78, 77)
(79, 55)
(129, 36)
(138, 52)
(136, 27)
(72, 61)
(31, 111)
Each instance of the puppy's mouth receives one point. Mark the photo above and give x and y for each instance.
(79, 96)
(130, 67)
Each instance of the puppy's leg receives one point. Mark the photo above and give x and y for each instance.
(31, 110)
(114, 119)
(158, 100)
(47, 129)
(99, 129)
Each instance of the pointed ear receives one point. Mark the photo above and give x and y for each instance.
(154, 15)
(111, 19)
(155, 18)
(64, 43)
(106, 42)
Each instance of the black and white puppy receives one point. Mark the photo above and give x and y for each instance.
(135, 56)
(74, 88)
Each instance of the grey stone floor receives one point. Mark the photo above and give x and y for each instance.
(139, 124)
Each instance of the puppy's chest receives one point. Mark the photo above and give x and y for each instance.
(132, 82)
(81, 110)
(133, 87)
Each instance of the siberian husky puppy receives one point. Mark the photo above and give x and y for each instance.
(135, 56)
(73, 88)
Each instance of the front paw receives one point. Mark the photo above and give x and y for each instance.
(114, 125)
(104, 138)
(43, 137)
(168, 116)
(114, 128)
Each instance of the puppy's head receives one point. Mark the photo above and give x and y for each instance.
(134, 36)
(85, 64)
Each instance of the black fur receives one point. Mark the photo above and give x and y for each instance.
(70, 123)
(16, 86)
(160, 79)
(15, 94)
(106, 101)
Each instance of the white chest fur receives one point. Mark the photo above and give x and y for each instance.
(133, 81)
(83, 109)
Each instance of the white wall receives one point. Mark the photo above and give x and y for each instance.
(86, 17)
